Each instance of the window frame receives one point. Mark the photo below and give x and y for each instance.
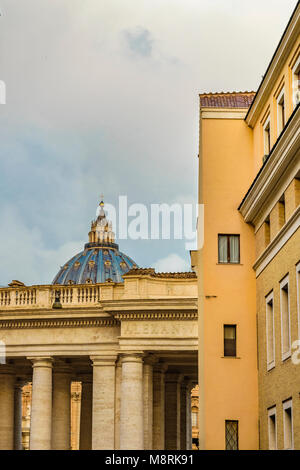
(237, 439)
(288, 404)
(272, 412)
(266, 124)
(295, 89)
(285, 281)
(269, 298)
(281, 111)
(235, 339)
(228, 235)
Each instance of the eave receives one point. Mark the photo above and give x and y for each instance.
(281, 157)
(278, 60)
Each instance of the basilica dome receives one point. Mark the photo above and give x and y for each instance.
(100, 261)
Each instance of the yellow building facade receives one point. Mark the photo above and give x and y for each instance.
(248, 267)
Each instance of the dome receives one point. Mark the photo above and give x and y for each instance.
(100, 261)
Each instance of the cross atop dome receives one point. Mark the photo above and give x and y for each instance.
(100, 261)
(101, 228)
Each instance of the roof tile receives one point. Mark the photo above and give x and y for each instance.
(227, 100)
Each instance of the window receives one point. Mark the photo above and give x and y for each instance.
(272, 428)
(230, 340)
(231, 435)
(285, 319)
(281, 211)
(270, 331)
(296, 82)
(267, 136)
(229, 248)
(288, 424)
(280, 112)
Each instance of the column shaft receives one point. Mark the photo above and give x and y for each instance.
(148, 405)
(172, 412)
(61, 410)
(18, 417)
(41, 408)
(183, 416)
(118, 403)
(86, 416)
(132, 416)
(159, 407)
(7, 380)
(103, 433)
(188, 417)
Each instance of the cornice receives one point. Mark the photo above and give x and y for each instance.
(277, 62)
(154, 305)
(150, 272)
(223, 113)
(157, 316)
(278, 242)
(62, 323)
(281, 157)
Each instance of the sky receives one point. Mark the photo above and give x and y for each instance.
(102, 97)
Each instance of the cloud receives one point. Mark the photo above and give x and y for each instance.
(81, 117)
(172, 263)
(139, 41)
(26, 256)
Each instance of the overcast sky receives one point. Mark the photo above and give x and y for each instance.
(102, 96)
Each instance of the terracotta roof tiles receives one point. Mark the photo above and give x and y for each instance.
(227, 100)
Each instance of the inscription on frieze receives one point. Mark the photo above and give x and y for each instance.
(175, 329)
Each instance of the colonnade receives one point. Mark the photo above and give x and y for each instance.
(128, 402)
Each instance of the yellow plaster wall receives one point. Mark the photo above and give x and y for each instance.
(231, 389)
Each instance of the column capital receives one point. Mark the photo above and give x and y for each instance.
(45, 361)
(84, 378)
(131, 357)
(174, 377)
(19, 384)
(150, 360)
(186, 383)
(61, 368)
(105, 360)
(160, 368)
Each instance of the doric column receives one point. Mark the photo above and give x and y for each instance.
(7, 380)
(41, 408)
(86, 414)
(172, 411)
(189, 416)
(183, 414)
(148, 401)
(132, 415)
(61, 408)
(103, 428)
(18, 416)
(159, 406)
(118, 403)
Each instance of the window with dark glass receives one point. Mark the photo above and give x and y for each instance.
(229, 248)
(231, 435)
(230, 340)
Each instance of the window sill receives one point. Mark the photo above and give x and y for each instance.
(230, 264)
(230, 357)
(270, 366)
